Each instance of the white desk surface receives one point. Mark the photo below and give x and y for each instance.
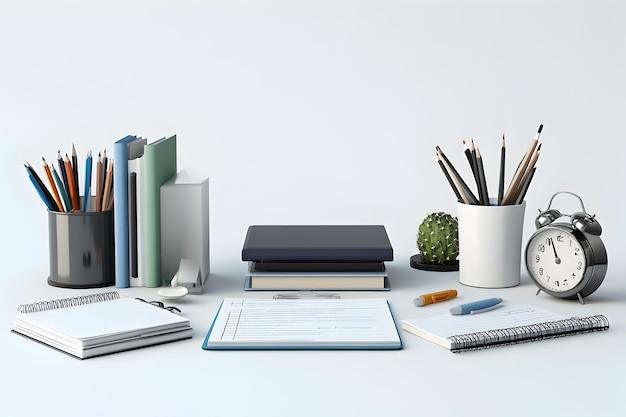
(580, 375)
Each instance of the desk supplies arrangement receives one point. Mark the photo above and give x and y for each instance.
(509, 324)
(99, 324)
(517, 188)
(317, 257)
(316, 323)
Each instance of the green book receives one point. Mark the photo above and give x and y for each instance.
(159, 166)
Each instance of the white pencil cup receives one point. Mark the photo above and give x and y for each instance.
(490, 244)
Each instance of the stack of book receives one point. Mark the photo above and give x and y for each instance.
(317, 257)
(140, 170)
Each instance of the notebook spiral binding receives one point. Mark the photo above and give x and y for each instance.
(524, 334)
(67, 302)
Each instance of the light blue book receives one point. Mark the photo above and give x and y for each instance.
(120, 208)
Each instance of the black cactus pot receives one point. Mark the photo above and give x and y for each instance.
(418, 263)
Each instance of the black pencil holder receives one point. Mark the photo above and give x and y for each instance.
(82, 249)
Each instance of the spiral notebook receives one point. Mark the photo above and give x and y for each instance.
(99, 324)
(509, 324)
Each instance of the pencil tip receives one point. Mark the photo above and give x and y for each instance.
(540, 129)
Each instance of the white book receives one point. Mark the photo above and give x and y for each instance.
(257, 279)
(136, 248)
(185, 227)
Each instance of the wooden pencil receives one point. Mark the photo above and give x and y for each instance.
(99, 183)
(53, 186)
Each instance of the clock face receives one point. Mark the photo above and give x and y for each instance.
(556, 260)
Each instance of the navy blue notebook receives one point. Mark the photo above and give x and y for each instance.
(317, 243)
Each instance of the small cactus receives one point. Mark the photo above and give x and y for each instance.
(438, 238)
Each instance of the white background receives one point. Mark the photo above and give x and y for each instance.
(316, 112)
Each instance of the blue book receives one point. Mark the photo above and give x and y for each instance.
(120, 209)
(317, 243)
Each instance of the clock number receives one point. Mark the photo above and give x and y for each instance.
(560, 238)
(542, 247)
(540, 271)
(537, 258)
(577, 251)
(579, 266)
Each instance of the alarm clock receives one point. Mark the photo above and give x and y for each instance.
(566, 259)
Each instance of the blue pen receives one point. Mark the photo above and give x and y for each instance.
(477, 306)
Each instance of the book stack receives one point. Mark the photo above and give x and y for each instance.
(317, 257)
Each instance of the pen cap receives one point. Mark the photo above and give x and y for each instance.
(81, 249)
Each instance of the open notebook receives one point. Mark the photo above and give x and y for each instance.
(506, 325)
(244, 323)
(99, 324)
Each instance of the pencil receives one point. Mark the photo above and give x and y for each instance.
(470, 158)
(66, 198)
(450, 181)
(53, 187)
(502, 167)
(515, 184)
(41, 188)
(75, 173)
(99, 183)
(484, 194)
(107, 187)
(71, 184)
(463, 190)
(462, 185)
(525, 180)
(87, 193)
(66, 184)
(525, 186)
(476, 174)
(105, 163)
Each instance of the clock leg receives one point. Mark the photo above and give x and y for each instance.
(580, 298)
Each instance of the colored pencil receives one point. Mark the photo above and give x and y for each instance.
(64, 195)
(71, 184)
(99, 182)
(63, 172)
(41, 188)
(53, 187)
(87, 194)
(75, 173)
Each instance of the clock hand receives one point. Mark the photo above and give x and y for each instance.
(556, 257)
